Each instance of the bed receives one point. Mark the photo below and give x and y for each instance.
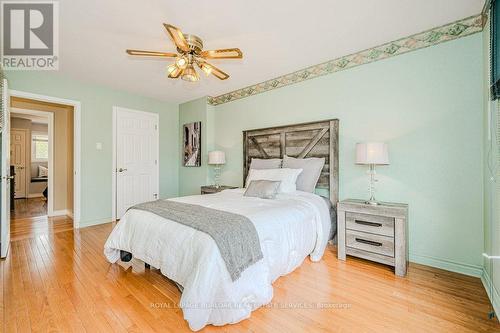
(290, 228)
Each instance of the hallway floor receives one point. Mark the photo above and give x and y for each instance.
(31, 207)
(29, 219)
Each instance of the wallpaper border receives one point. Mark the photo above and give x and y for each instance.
(447, 32)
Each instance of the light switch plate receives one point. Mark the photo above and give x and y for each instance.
(98, 146)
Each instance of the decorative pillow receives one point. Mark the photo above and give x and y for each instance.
(287, 177)
(311, 171)
(272, 163)
(43, 171)
(264, 189)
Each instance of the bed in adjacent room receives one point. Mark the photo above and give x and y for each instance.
(225, 250)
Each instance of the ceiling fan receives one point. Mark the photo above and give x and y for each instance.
(191, 54)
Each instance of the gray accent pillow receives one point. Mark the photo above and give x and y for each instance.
(311, 170)
(272, 163)
(264, 189)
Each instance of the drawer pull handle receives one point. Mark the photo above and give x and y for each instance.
(370, 224)
(364, 241)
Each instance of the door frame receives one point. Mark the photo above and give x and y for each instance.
(114, 175)
(50, 178)
(76, 146)
(26, 183)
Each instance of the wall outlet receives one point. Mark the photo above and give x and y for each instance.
(98, 146)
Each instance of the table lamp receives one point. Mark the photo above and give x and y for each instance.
(217, 158)
(372, 153)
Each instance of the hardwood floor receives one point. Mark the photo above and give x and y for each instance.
(29, 219)
(31, 207)
(60, 281)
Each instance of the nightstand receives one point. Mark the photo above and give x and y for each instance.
(209, 189)
(376, 233)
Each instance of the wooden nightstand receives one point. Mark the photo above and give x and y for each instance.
(377, 233)
(209, 189)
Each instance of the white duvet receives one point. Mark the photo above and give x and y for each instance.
(290, 228)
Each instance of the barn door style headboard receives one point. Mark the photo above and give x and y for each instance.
(316, 139)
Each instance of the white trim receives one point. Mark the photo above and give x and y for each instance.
(76, 146)
(90, 223)
(50, 165)
(113, 163)
(62, 212)
(495, 298)
(452, 266)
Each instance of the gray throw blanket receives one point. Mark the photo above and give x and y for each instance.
(234, 234)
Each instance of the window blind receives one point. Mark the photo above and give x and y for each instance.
(495, 49)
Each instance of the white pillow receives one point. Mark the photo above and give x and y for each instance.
(287, 177)
(43, 171)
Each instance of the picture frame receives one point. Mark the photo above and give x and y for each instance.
(191, 139)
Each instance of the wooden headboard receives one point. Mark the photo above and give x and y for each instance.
(316, 139)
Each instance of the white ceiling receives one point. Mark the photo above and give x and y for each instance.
(34, 118)
(277, 37)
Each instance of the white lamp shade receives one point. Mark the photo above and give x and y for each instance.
(372, 153)
(216, 157)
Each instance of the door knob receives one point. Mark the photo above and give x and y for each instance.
(122, 169)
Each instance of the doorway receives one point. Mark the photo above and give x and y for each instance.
(51, 201)
(31, 161)
(135, 170)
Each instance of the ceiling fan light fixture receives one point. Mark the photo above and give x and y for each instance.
(181, 62)
(190, 54)
(190, 74)
(206, 68)
(172, 68)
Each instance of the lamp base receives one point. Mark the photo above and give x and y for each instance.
(372, 202)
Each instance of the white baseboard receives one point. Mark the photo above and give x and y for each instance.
(63, 212)
(84, 224)
(452, 266)
(492, 292)
(35, 195)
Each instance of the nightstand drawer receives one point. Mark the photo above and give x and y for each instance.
(374, 224)
(369, 242)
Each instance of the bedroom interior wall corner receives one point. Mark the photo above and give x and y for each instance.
(191, 178)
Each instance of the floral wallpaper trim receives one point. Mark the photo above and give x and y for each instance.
(451, 31)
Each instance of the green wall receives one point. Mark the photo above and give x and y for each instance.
(96, 126)
(191, 178)
(427, 105)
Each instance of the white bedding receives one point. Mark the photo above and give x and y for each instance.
(290, 228)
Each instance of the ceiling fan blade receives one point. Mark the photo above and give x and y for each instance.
(217, 72)
(151, 54)
(177, 37)
(223, 54)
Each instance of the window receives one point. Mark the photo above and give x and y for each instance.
(39, 147)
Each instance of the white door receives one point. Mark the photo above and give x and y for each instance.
(136, 158)
(18, 160)
(5, 169)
